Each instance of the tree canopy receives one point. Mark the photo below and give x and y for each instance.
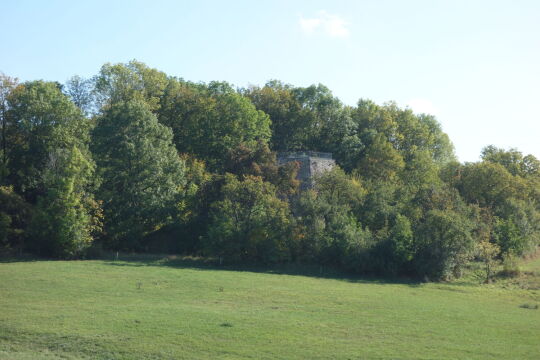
(134, 159)
(142, 174)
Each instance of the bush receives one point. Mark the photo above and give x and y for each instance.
(444, 244)
(250, 223)
(510, 265)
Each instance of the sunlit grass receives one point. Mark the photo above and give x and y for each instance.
(173, 309)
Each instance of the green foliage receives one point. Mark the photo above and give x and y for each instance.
(338, 190)
(260, 161)
(512, 160)
(444, 244)
(508, 236)
(381, 160)
(380, 204)
(512, 199)
(184, 234)
(250, 223)
(406, 132)
(181, 162)
(487, 253)
(488, 184)
(82, 93)
(42, 120)
(15, 215)
(143, 176)
(66, 217)
(5, 225)
(209, 121)
(196, 178)
(132, 81)
(329, 231)
(510, 265)
(288, 123)
(308, 118)
(7, 84)
(402, 240)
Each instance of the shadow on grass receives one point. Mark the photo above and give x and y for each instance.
(204, 264)
(291, 269)
(20, 258)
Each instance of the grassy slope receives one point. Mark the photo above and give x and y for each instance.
(150, 309)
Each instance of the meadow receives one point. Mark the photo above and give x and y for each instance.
(175, 308)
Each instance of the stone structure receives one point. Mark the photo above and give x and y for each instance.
(311, 163)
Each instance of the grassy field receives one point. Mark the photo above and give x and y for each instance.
(180, 309)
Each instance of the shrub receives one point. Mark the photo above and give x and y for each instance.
(444, 244)
(250, 223)
(510, 265)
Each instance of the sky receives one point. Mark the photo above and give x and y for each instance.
(473, 64)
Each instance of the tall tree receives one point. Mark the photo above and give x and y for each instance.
(326, 219)
(250, 223)
(489, 184)
(131, 81)
(513, 161)
(67, 216)
(42, 120)
(307, 118)
(444, 244)
(381, 160)
(7, 84)
(142, 173)
(81, 92)
(289, 127)
(210, 120)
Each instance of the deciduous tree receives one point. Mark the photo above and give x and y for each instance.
(250, 223)
(66, 217)
(143, 175)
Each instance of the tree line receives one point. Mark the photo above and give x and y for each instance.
(133, 159)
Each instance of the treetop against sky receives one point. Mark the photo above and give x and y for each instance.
(472, 64)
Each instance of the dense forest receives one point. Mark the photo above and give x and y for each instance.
(133, 159)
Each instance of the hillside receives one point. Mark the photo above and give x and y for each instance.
(170, 308)
(152, 163)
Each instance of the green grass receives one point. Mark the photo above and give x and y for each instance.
(174, 309)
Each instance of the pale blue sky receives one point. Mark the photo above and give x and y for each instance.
(474, 64)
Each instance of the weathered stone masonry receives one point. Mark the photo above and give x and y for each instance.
(311, 163)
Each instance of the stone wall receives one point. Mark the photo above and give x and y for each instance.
(311, 163)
